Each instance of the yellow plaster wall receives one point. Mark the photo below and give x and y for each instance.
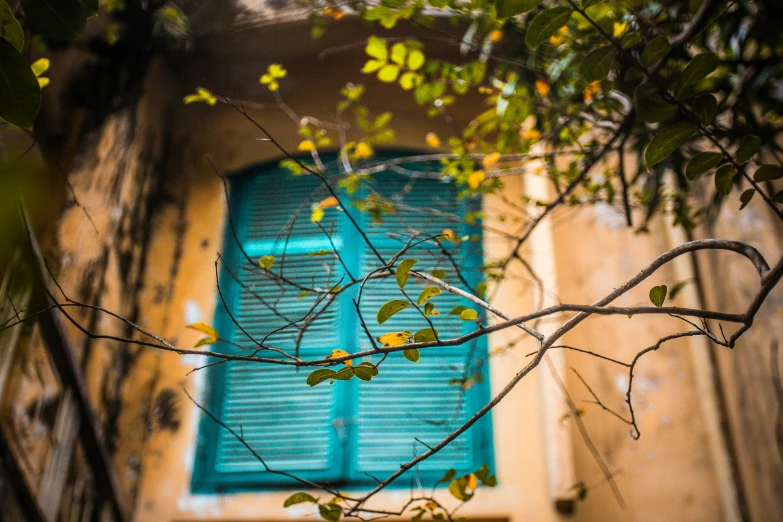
(667, 475)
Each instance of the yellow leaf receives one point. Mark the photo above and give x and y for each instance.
(471, 481)
(340, 353)
(43, 81)
(317, 214)
(590, 90)
(432, 140)
(40, 66)
(557, 38)
(201, 95)
(266, 262)
(335, 13)
(329, 202)
(306, 146)
(204, 341)
(532, 135)
(276, 71)
(542, 87)
(362, 150)
(475, 179)
(395, 338)
(619, 29)
(431, 505)
(495, 35)
(449, 234)
(490, 159)
(204, 328)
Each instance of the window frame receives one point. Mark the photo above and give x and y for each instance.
(205, 478)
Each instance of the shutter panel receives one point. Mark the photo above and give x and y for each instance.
(291, 425)
(277, 205)
(417, 400)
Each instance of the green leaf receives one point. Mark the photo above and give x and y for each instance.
(205, 341)
(509, 8)
(331, 512)
(631, 39)
(58, 19)
(369, 365)
(654, 110)
(768, 173)
(545, 25)
(10, 28)
(634, 74)
(724, 179)
(590, 3)
(468, 314)
(390, 308)
(298, 498)
(677, 288)
(656, 49)
(699, 68)
(666, 141)
(705, 106)
(748, 147)
(344, 374)
(701, 163)
(388, 73)
(486, 479)
(597, 64)
(746, 197)
(458, 489)
(645, 90)
(403, 271)
(427, 294)
(20, 94)
(412, 354)
(319, 376)
(266, 262)
(778, 198)
(398, 53)
(448, 477)
(457, 310)
(658, 295)
(376, 48)
(426, 335)
(365, 373)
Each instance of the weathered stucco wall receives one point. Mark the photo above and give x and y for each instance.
(100, 257)
(157, 208)
(751, 391)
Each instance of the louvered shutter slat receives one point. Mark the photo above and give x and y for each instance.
(415, 400)
(291, 425)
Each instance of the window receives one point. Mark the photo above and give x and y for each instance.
(349, 431)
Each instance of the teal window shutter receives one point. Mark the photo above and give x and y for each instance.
(292, 426)
(422, 400)
(351, 431)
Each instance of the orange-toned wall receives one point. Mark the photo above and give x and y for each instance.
(676, 471)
